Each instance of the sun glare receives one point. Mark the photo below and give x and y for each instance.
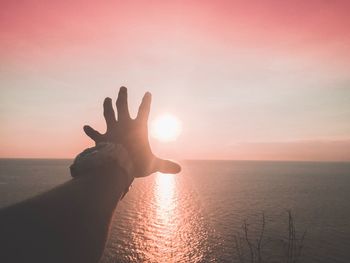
(166, 128)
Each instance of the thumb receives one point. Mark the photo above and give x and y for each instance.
(93, 134)
(168, 167)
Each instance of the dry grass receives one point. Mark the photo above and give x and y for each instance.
(251, 249)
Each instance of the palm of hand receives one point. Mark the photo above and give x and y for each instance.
(132, 134)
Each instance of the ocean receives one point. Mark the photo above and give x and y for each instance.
(213, 210)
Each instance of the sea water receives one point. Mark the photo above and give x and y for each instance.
(199, 214)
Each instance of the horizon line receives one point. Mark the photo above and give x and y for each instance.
(206, 160)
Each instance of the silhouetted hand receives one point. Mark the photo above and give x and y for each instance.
(132, 134)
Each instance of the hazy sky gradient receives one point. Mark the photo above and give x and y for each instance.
(248, 79)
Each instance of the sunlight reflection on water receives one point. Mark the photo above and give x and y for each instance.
(165, 213)
(165, 197)
(160, 221)
(180, 232)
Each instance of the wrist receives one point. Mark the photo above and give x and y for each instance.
(106, 162)
(113, 182)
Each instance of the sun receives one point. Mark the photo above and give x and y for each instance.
(166, 128)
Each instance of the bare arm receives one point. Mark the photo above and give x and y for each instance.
(67, 224)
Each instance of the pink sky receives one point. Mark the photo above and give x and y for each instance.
(248, 79)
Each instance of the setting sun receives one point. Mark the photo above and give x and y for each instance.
(166, 128)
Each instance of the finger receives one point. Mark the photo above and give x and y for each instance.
(145, 107)
(168, 167)
(108, 113)
(93, 134)
(122, 104)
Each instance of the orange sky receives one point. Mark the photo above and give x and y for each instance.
(248, 79)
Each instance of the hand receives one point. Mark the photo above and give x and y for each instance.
(132, 134)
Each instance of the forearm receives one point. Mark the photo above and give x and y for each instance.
(68, 223)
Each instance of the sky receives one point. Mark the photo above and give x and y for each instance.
(249, 80)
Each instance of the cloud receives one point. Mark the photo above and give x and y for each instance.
(305, 150)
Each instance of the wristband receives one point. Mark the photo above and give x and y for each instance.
(101, 157)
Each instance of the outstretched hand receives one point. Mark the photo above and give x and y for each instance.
(132, 134)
